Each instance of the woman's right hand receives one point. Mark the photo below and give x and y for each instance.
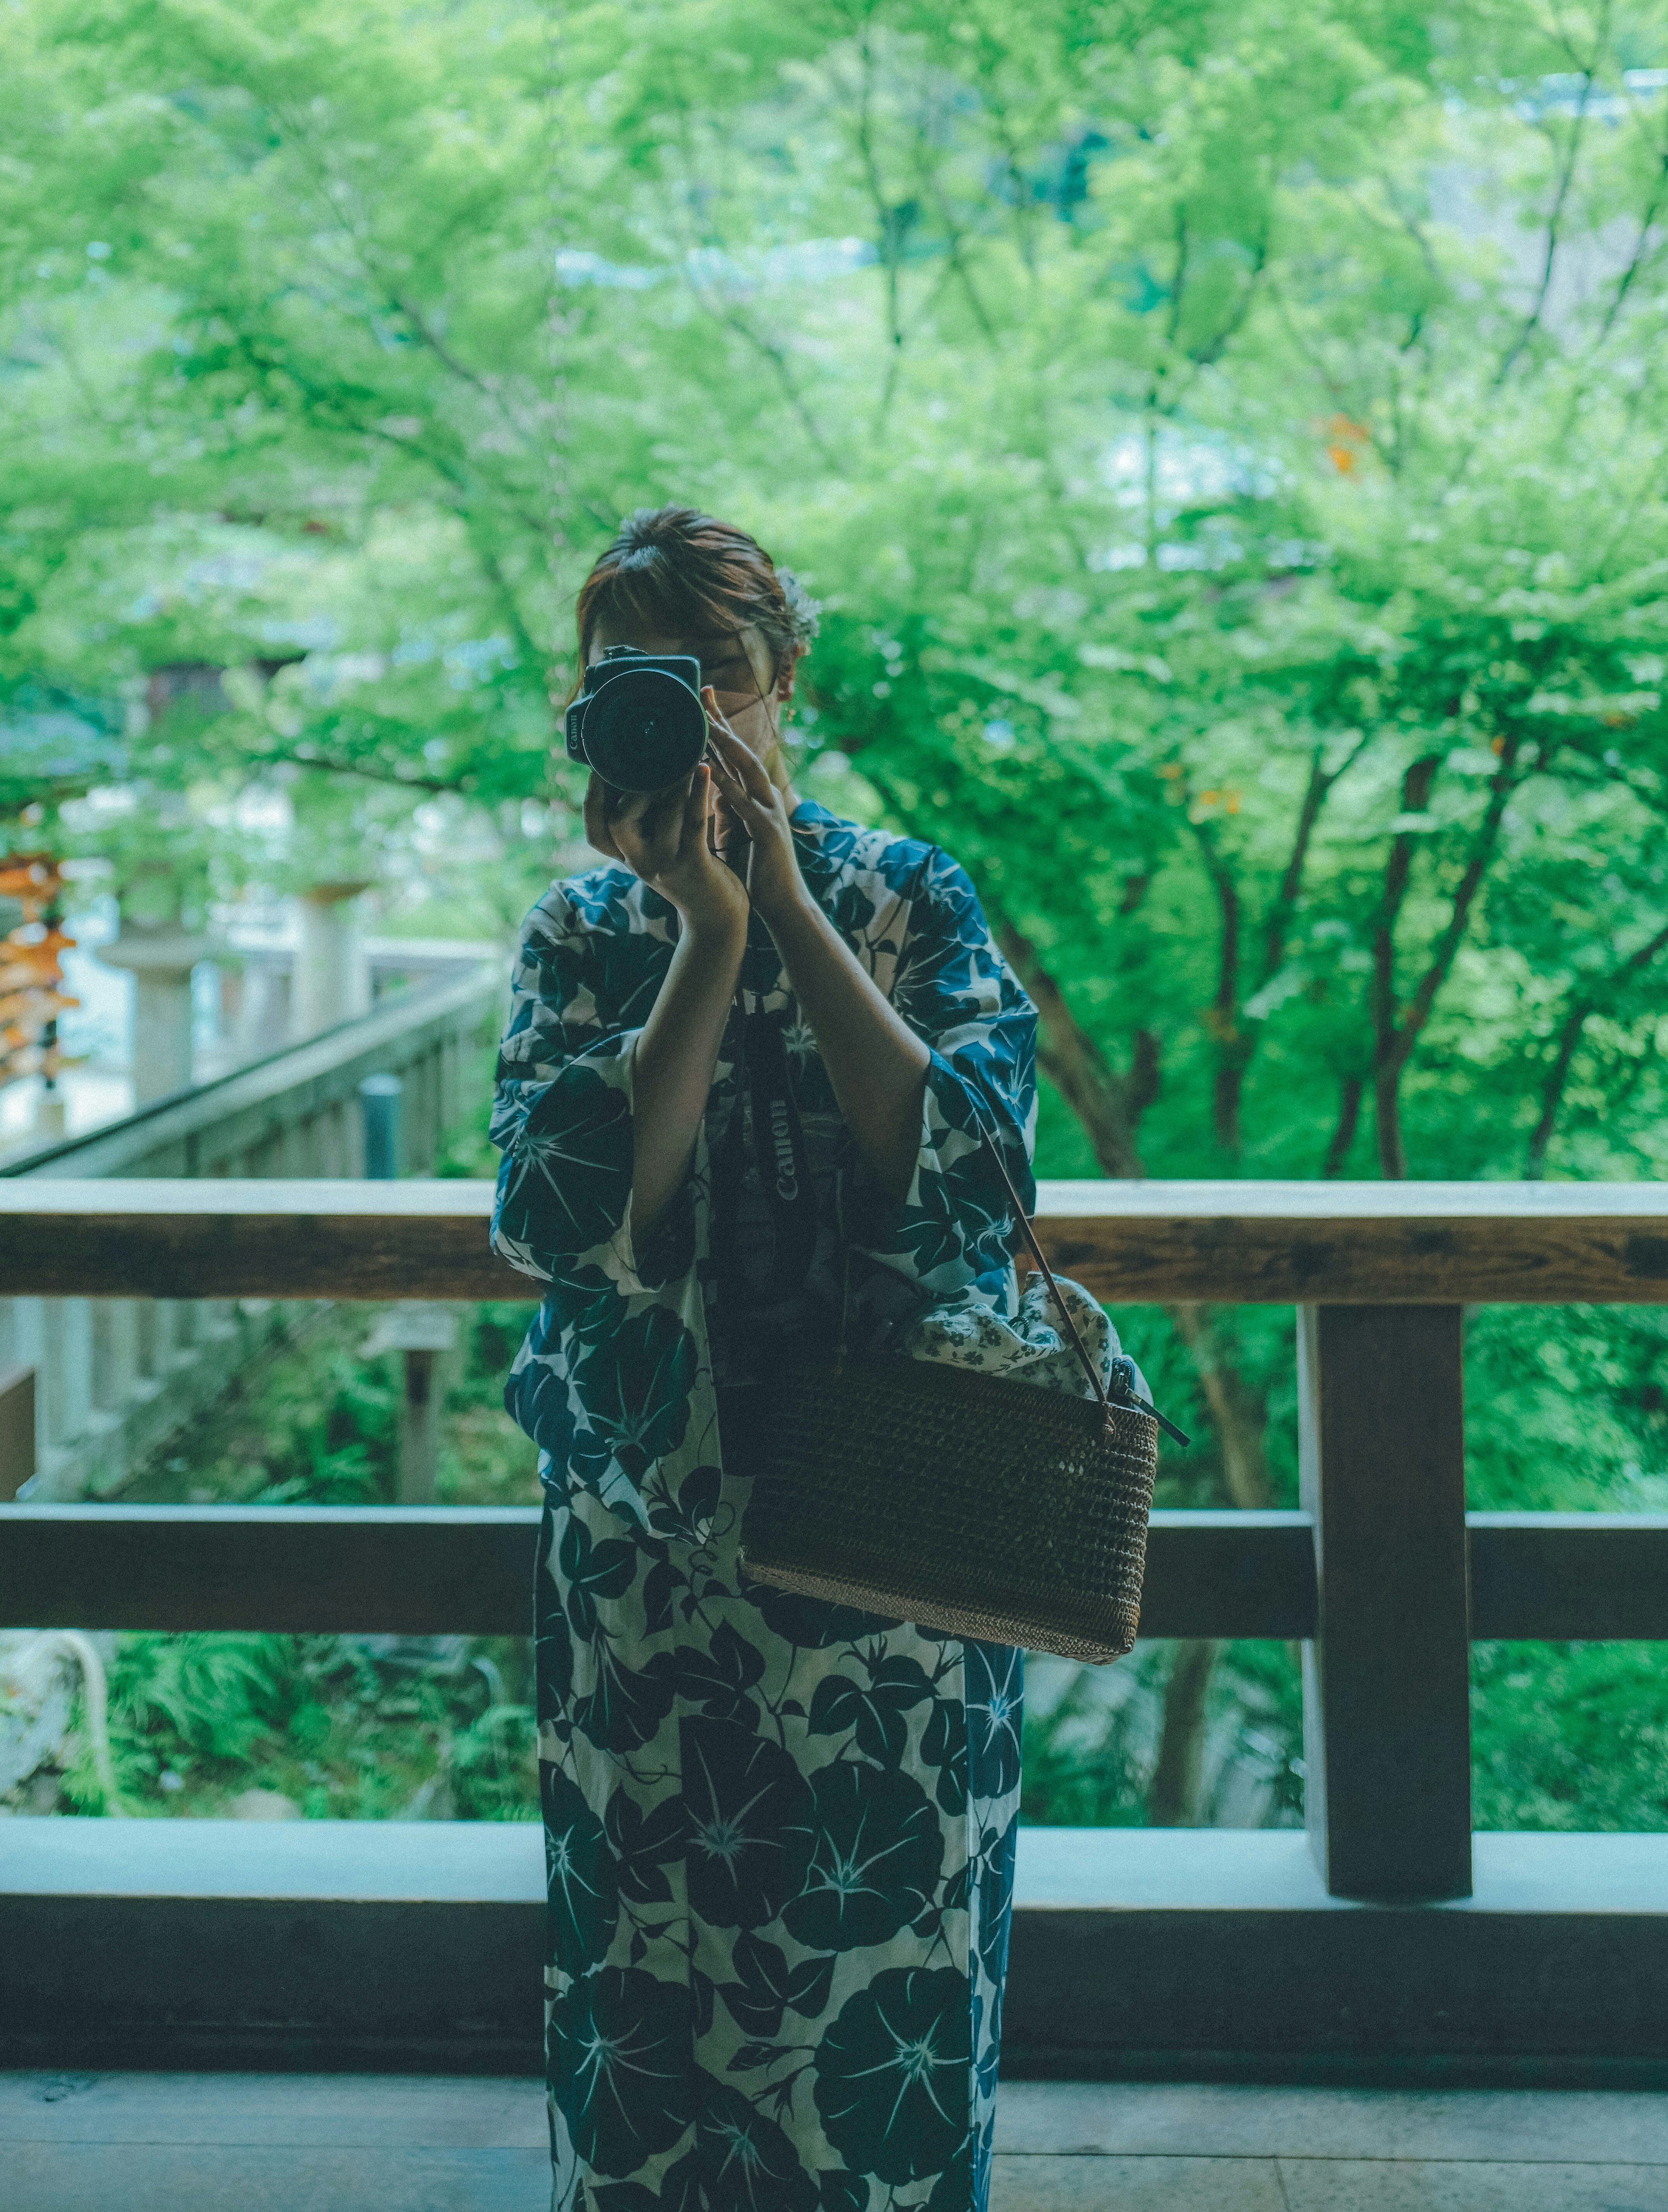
(664, 837)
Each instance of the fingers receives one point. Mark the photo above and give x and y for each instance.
(648, 826)
(640, 831)
(649, 855)
(737, 764)
(727, 824)
(692, 825)
(598, 835)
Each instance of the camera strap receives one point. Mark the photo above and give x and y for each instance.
(779, 1153)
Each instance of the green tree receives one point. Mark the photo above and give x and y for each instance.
(1228, 444)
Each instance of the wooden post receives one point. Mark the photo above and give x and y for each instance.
(1386, 1689)
(17, 1448)
(420, 1427)
(67, 1370)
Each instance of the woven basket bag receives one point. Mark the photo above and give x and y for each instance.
(968, 1502)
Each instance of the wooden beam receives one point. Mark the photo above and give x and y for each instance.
(394, 1945)
(1229, 1574)
(1245, 1243)
(434, 1570)
(442, 1570)
(1569, 1576)
(1387, 1688)
(452, 1570)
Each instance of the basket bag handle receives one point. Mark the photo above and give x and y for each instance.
(1089, 1366)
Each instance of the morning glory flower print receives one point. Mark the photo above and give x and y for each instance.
(749, 1823)
(581, 1880)
(995, 1718)
(800, 1042)
(875, 1862)
(890, 2074)
(780, 1834)
(748, 2163)
(620, 2039)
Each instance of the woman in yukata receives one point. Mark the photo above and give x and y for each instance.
(779, 1834)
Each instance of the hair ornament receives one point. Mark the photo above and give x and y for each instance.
(804, 613)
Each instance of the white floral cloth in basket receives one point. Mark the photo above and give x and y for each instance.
(1031, 1347)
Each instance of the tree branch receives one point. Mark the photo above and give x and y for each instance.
(1601, 994)
(1416, 784)
(1104, 1103)
(1233, 1050)
(1636, 260)
(1503, 783)
(1394, 1041)
(733, 319)
(1283, 908)
(1555, 220)
(334, 764)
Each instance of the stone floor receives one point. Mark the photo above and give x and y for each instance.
(230, 2142)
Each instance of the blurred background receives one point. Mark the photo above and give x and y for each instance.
(1229, 445)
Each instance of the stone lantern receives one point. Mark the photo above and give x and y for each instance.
(332, 978)
(160, 960)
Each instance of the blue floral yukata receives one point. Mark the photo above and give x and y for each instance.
(780, 1834)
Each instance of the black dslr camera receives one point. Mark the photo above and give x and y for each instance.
(638, 720)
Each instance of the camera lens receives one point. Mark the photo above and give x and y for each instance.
(643, 730)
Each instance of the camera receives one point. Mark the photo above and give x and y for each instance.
(638, 719)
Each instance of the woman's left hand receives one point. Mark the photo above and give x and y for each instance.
(755, 804)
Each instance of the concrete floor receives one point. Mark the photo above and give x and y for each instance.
(178, 2143)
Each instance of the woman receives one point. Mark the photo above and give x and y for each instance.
(738, 1101)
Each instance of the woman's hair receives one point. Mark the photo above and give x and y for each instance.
(674, 572)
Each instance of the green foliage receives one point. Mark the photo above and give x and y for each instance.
(1080, 1771)
(1569, 1735)
(340, 1727)
(1228, 444)
(1091, 1746)
(370, 1728)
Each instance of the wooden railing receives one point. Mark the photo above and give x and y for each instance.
(112, 1375)
(1383, 1575)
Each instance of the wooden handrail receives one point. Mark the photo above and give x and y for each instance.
(1272, 1243)
(214, 1123)
(221, 1237)
(1385, 1576)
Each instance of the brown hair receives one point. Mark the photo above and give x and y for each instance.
(676, 572)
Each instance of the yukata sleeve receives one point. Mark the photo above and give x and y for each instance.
(563, 1107)
(960, 996)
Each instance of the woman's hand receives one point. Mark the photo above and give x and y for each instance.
(666, 838)
(755, 804)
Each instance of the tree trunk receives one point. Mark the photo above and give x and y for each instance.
(1552, 1094)
(1107, 1106)
(1238, 1420)
(1349, 1121)
(1569, 1038)
(1387, 1119)
(1226, 1090)
(1176, 1799)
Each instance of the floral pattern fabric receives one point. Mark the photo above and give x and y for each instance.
(780, 1834)
(1028, 1345)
